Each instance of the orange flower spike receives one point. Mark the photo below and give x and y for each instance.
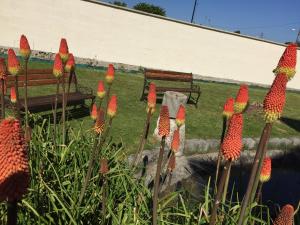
(112, 106)
(24, 47)
(3, 73)
(101, 90)
(172, 163)
(286, 216)
(232, 144)
(265, 174)
(164, 121)
(228, 108)
(110, 74)
(275, 99)
(151, 98)
(13, 96)
(180, 117)
(64, 50)
(94, 112)
(103, 166)
(175, 141)
(13, 63)
(287, 62)
(100, 122)
(14, 167)
(70, 65)
(241, 99)
(57, 66)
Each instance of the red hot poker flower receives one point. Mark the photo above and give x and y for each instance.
(100, 122)
(241, 99)
(286, 216)
(70, 65)
(232, 144)
(175, 141)
(101, 89)
(228, 108)
(164, 121)
(287, 62)
(112, 106)
(265, 173)
(3, 73)
(180, 117)
(64, 50)
(14, 168)
(13, 63)
(58, 66)
(151, 98)
(24, 47)
(13, 96)
(94, 112)
(103, 166)
(275, 99)
(110, 74)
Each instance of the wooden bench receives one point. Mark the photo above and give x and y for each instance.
(190, 88)
(43, 77)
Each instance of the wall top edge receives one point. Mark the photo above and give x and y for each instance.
(182, 22)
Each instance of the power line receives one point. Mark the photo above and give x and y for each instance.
(265, 26)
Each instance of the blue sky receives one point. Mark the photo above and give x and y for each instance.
(276, 20)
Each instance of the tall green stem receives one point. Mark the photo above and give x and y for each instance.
(254, 176)
(143, 139)
(26, 99)
(17, 108)
(2, 100)
(12, 213)
(99, 141)
(156, 181)
(63, 110)
(55, 114)
(226, 185)
(213, 217)
(220, 149)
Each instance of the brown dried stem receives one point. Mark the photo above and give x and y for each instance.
(143, 140)
(213, 217)
(157, 179)
(12, 213)
(255, 171)
(220, 151)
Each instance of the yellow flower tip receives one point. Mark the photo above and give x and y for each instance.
(109, 79)
(101, 94)
(227, 114)
(150, 108)
(239, 107)
(289, 72)
(271, 117)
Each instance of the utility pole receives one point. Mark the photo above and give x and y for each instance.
(194, 10)
(298, 37)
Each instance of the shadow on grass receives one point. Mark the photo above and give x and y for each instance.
(292, 123)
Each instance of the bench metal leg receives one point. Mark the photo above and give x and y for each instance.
(197, 99)
(143, 92)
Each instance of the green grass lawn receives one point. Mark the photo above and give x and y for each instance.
(202, 122)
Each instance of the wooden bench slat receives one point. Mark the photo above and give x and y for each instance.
(169, 77)
(163, 89)
(167, 72)
(33, 83)
(38, 76)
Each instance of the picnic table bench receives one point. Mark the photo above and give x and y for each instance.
(193, 90)
(43, 77)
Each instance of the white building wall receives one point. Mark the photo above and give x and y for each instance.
(111, 34)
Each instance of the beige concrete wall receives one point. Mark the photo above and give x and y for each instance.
(110, 34)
